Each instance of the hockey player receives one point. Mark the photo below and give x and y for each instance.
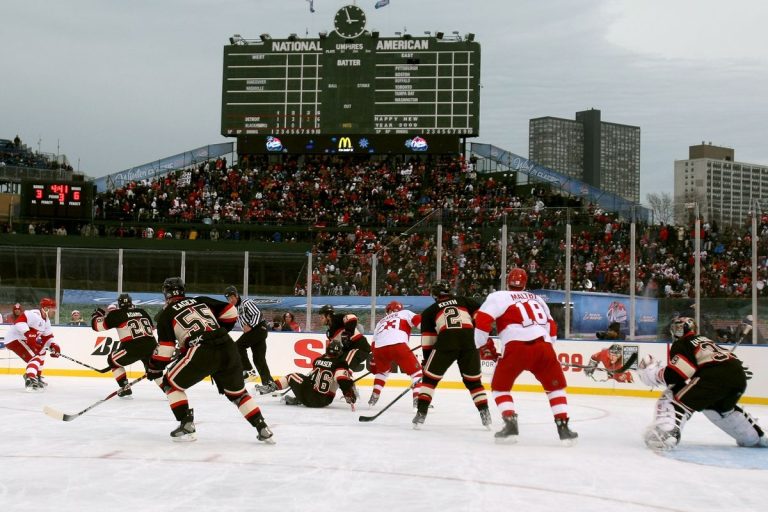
(254, 337)
(447, 337)
(15, 313)
(201, 327)
(329, 373)
(611, 358)
(343, 327)
(526, 331)
(390, 345)
(700, 376)
(30, 337)
(137, 342)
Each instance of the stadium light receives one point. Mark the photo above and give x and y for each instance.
(265, 37)
(427, 33)
(470, 37)
(323, 35)
(375, 34)
(293, 37)
(439, 35)
(236, 39)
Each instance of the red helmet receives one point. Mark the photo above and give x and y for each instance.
(394, 307)
(47, 303)
(517, 279)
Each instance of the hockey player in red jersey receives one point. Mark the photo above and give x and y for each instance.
(612, 358)
(30, 337)
(446, 337)
(703, 377)
(137, 342)
(198, 327)
(390, 345)
(526, 331)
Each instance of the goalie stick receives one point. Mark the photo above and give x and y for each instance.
(103, 370)
(58, 415)
(629, 362)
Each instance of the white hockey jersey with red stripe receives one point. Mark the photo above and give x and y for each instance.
(32, 320)
(395, 328)
(519, 316)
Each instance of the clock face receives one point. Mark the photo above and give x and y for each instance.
(349, 21)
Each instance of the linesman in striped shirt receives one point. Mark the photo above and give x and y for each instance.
(255, 329)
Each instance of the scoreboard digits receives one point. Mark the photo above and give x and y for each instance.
(56, 199)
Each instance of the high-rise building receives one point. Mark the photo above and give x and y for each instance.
(604, 155)
(724, 189)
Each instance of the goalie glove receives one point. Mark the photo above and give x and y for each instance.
(651, 372)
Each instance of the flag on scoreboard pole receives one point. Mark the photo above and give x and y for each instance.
(381, 3)
(311, 5)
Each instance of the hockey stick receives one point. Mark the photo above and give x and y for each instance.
(630, 361)
(58, 415)
(390, 404)
(103, 370)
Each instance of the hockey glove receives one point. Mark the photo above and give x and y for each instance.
(98, 313)
(590, 370)
(747, 372)
(345, 340)
(488, 351)
(153, 372)
(349, 396)
(55, 349)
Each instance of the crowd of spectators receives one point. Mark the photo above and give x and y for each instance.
(354, 208)
(15, 153)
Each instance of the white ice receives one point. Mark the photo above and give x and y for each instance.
(119, 456)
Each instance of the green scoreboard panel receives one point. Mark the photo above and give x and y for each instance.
(337, 86)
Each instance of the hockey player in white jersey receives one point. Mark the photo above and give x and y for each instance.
(30, 337)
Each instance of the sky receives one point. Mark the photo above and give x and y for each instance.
(116, 83)
(119, 455)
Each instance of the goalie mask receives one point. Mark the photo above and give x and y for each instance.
(681, 326)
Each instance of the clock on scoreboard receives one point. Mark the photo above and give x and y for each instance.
(56, 199)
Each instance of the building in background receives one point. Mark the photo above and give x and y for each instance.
(604, 155)
(724, 189)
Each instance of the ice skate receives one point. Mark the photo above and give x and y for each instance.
(186, 430)
(418, 420)
(509, 433)
(265, 435)
(41, 383)
(125, 394)
(31, 385)
(267, 388)
(567, 436)
(485, 417)
(291, 400)
(374, 398)
(661, 440)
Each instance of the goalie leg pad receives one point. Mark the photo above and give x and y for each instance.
(665, 431)
(738, 424)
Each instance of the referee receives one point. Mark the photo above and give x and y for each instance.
(254, 337)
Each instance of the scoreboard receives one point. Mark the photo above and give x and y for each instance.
(56, 199)
(410, 87)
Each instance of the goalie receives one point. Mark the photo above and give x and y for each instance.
(700, 376)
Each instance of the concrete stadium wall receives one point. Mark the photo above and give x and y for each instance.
(294, 352)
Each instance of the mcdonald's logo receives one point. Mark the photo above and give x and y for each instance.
(345, 145)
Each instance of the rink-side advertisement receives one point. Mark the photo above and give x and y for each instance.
(294, 352)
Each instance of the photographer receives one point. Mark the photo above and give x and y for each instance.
(613, 332)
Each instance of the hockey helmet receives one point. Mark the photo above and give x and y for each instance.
(173, 287)
(681, 326)
(124, 301)
(517, 279)
(326, 310)
(335, 348)
(47, 303)
(394, 307)
(441, 288)
(229, 291)
(615, 349)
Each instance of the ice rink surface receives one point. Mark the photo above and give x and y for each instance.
(119, 456)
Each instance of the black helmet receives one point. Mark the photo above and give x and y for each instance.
(173, 287)
(230, 290)
(441, 289)
(326, 310)
(335, 348)
(124, 301)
